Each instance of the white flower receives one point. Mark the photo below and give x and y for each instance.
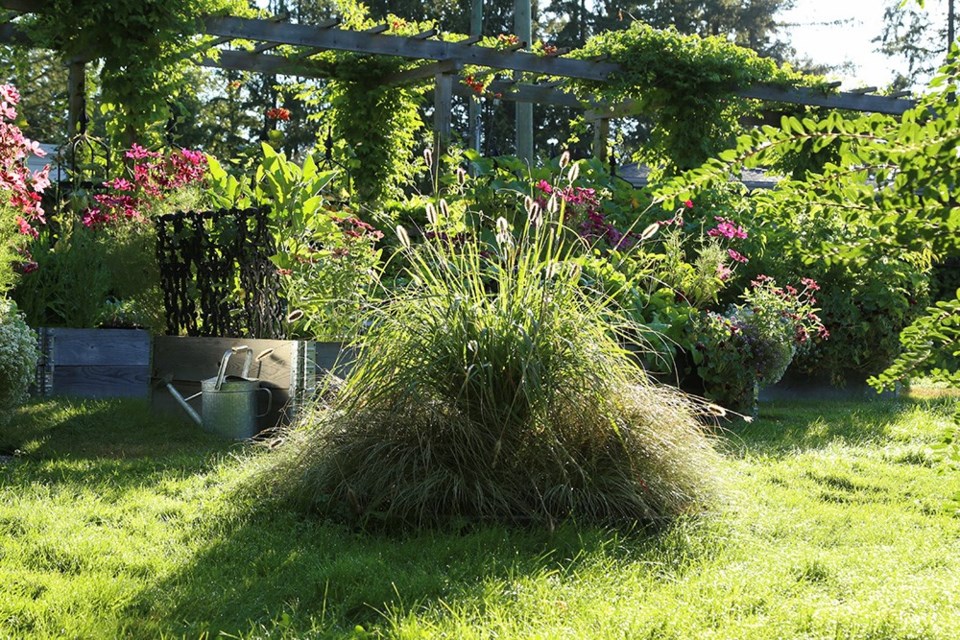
(404, 238)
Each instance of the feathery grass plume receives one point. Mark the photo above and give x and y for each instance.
(493, 388)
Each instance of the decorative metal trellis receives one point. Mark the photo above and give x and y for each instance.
(216, 274)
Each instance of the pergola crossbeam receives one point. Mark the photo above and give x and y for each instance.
(379, 44)
(424, 72)
(267, 64)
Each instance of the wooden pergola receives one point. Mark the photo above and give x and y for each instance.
(442, 60)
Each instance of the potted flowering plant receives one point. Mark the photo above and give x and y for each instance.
(751, 345)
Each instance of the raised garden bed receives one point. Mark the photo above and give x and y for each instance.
(114, 363)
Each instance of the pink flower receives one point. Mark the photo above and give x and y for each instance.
(9, 94)
(25, 228)
(736, 256)
(120, 184)
(723, 272)
(727, 228)
(688, 204)
(136, 152)
(41, 179)
(810, 283)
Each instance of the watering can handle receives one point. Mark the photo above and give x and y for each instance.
(269, 401)
(247, 361)
(226, 358)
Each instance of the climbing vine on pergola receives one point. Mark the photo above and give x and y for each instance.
(614, 75)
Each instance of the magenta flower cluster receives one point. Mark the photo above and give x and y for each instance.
(20, 187)
(153, 177)
(798, 306)
(585, 205)
(728, 229)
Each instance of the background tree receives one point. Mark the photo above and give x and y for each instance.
(915, 34)
(41, 77)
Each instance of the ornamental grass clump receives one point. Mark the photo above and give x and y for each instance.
(493, 388)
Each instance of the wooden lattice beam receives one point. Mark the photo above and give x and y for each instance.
(268, 64)
(424, 72)
(379, 44)
(846, 100)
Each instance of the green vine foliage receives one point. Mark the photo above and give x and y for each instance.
(376, 127)
(687, 81)
(145, 46)
(894, 179)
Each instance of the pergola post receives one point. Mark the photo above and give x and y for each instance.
(476, 30)
(77, 97)
(442, 115)
(601, 134)
(522, 26)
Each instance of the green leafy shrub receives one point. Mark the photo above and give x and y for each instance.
(493, 388)
(12, 245)
(71, 282)
(18, 358)
(326, 255)
(865, 307)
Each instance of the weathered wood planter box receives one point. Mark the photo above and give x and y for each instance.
(188, 361)
(110, 363)
(94, 363)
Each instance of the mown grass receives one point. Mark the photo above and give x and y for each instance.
(114, 523)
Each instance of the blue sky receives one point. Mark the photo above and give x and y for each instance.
(838, 31)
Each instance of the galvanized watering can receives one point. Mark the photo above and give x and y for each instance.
(228, 403)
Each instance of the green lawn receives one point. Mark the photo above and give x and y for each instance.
(116, 524)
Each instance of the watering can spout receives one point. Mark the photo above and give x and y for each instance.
(183, 402)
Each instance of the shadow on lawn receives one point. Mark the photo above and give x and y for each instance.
(785, 428)
(279, 573)
(120, 443)
(79, 428)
